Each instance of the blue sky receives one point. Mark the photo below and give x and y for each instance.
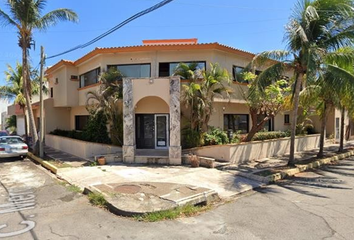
(252, 25)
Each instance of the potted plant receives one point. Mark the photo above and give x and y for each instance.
(194, 160)
(101, 160)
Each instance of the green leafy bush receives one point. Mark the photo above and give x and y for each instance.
(215, 136)
(191, 138)
(260, 136)
(96, 129)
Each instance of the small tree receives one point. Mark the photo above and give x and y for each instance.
(266, 102)
(106, 101)
(199, 94)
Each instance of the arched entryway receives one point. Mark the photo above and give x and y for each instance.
(152, 123)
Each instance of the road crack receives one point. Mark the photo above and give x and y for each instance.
(62, 236)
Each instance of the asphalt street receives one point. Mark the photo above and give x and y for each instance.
(314, 205)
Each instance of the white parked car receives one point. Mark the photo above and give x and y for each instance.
(12, 146)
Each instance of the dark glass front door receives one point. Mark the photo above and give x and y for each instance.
(145, 131)
(161, 130)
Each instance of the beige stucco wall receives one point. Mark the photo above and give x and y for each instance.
(241, 153)
(56, 117)
(152, 105)
(82, 94)
(217, 118)
(59, 89)
(145, 87)
(72, 86)
(86, 150)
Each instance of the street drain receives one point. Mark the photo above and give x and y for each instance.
(127, 189)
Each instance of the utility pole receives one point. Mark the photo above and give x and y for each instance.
(41, 121)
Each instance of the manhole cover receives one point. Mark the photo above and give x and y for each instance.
(127, 189)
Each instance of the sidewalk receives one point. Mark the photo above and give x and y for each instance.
(272, 169)
(136, 189)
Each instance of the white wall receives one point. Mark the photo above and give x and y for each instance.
(241, 153)
(79, 148)
(3, 108)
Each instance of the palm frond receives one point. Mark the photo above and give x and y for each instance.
(55, 16)
(6, 20)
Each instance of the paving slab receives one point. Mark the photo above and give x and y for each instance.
(146, 197)
(64, 157)
(226, 184)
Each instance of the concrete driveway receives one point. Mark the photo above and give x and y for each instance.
(224, 183)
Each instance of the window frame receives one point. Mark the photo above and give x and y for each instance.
(77, 122)
(240, 114)
(132, 64)
(287, 119)
(178, 62)
(98, 69)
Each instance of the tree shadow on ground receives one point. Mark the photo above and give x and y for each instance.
(327, 177)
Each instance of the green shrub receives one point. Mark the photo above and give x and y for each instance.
(191, 138)
(96, 129)
(236, 137)
(309, 128)
(260, 136)
(215, 136)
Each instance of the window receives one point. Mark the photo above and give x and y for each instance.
(236, 122)
(89, 78)
(134, 70)
(81, 122)
(286, 119)
(56, 80)
(237, 74)
(269, 125)
(167, 69)
(51, 92)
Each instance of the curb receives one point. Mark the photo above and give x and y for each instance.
(298, 169)
(44, 163)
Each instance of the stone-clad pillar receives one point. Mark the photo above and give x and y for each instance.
(128, 122)
(175, 150)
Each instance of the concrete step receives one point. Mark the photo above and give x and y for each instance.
(221, 165)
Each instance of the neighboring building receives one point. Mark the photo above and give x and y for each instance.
(3, 111)
(152, 115)
(15, 109)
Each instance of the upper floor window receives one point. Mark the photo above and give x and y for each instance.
(134, 70)
(89, 78)
(237, 74)
(167, 69)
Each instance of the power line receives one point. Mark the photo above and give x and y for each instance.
(140, 14)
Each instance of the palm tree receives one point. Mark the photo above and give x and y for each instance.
(26, 16)
(14, 88)
(199, 94)
(106, 100)
(332, 89)
(315, 29)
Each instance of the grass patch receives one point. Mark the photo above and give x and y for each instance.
(184, 211)
(97, 199)
(71, 188)
(265, 173)
(74, 188)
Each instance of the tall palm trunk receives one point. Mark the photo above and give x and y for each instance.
(341, 141)
(299, 80)
(27, 92)
(26, 126)
(323, 131)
